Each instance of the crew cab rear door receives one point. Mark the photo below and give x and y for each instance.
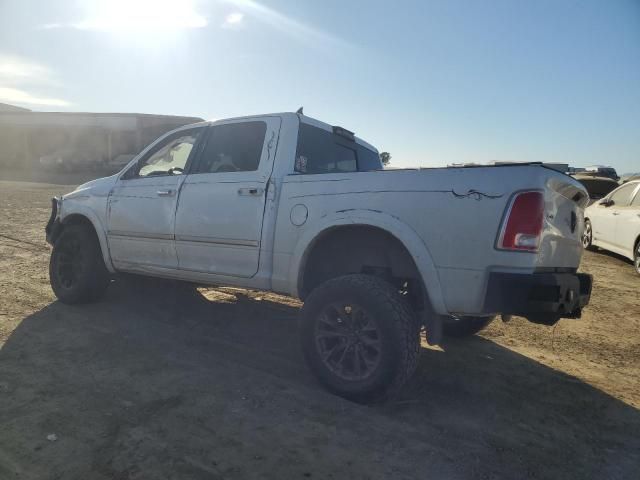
(221, 204)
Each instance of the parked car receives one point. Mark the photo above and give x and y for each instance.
(120, 161)
(598, 187)
(60, 160)
(601, 171)
(614, 223)
(70, 159)
(286, 203)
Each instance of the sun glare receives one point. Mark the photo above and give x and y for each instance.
(142, 16)
(233, 18)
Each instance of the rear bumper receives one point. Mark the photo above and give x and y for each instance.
(540, 297)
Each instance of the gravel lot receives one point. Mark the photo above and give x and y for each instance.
(162, 381)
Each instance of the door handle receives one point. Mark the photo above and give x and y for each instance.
(254, 192)
(615, 213)
(165, 193)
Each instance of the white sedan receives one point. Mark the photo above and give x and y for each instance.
(613, 223)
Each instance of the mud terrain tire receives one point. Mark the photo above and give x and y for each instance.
(360, 337)
(76, 269)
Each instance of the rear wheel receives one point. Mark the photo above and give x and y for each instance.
(76, 270)
(587, 235)
(460, 327)
(360, 337)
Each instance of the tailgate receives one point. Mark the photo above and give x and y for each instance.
(561, 243)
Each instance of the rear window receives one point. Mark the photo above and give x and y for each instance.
(321, 151)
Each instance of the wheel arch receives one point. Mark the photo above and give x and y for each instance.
(87, 217)
(373, 226)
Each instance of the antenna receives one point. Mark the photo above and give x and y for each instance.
(299, 111)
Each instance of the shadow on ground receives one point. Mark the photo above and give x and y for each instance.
(162, 381)
(615, 256)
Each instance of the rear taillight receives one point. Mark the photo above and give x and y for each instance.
(522, 227)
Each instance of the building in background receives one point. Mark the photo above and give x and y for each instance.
(71, 141)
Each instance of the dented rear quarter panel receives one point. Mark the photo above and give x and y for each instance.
(448, 219)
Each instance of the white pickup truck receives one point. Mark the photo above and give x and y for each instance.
(286, 203)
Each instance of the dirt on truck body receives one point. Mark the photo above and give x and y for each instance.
(162, 380)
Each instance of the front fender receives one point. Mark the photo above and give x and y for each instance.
(71, 208)
(394, 226)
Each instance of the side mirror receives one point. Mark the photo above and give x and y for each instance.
(607, 202)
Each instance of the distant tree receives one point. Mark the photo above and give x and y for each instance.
(385, 158)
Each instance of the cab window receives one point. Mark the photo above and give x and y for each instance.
(169, 157)
(322, 151)
(233, 147)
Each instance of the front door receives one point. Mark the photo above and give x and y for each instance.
(142, 205)
(221, 206)
(628, 224)
(605, 217)
(606, 233)
(603, 222)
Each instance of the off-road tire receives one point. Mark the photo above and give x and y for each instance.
(90, 276)
(397, 332)
(461, 327)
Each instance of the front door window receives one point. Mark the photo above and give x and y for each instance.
(168, 157)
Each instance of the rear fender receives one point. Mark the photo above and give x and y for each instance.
(403, 232)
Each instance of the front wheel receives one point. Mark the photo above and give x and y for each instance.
(76, 270)
(360, 337)
(460, 327)
(636, 258)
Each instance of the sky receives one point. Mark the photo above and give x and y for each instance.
(432, 82)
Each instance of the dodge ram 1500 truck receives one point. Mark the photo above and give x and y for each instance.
(285, 203)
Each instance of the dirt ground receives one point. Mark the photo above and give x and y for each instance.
(160, 381)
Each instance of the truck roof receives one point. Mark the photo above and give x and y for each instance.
(301, 117)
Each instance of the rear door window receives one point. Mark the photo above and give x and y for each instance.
(232, 147)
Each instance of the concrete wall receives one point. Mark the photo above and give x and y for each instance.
(78, 141)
